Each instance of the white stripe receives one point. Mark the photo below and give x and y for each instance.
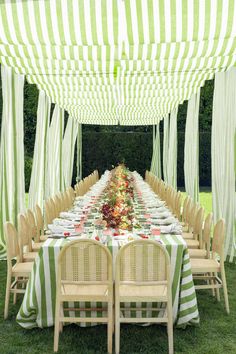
(213, 12)
(65, 20)
(190, 21)
(99, 22)
(201, 20)
(42, 15)
(178, 20)
(134, 21)
(88, 22)
(53, 12)
(145, 21)
(189, 317)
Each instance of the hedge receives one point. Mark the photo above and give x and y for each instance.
(102, 150)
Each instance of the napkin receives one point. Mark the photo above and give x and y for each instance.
(166, 221)
(67, 215)
(171, 229)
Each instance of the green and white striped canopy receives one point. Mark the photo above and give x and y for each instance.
(118, 61)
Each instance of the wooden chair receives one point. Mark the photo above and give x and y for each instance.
(35, 246)
(25, 242)
(184, 212)
(208, 270)
(41, 236)
(84, 274)
(135, 282)
(196, 242)
(203, 252)
(20, 271)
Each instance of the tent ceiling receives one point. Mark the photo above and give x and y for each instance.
(110, 61)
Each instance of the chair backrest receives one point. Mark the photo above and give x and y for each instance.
(178, 202)
(32, 224)
(84, 261)
(48, 212)
(12, 244)
(142, 261)
(207, 228)
(188, 210)
(23, 234)
(199, 217)
(57, 203)
(39, 221)
(218, 239)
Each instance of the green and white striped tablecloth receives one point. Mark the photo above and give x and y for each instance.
(38, 306)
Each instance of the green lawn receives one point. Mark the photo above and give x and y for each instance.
(205, 199)
(215, 335)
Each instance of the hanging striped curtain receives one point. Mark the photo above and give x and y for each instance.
(170, 149)
(110, 61)
(222, 150)
(37, 181)
(79, 153)
(165, 147)
(156, 154)
(68, 150)
(54, 174)
(12, 180)
(191, 149)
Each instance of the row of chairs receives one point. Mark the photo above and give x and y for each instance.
(54, 205)
(85, 184)
(167, 193)
(24, 242)
(93, 283)
(206, 253)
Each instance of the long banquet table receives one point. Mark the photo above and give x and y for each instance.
(38, 306)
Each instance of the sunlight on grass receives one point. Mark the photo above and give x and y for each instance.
(205, 199)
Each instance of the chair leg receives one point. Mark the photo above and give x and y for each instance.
(57, 325)
(212, 283)
(110, 327)
(225, 290)
(7, 297)
(170, 330)
(117, 329)
(15, 294)
(217, 290)
(62, 315)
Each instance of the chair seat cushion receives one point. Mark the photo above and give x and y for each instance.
(90, 292)
(29, 256)
(139, 292)
(192, 243)
(197, 253)
(204, 265)
(22, 268)
(187, 235)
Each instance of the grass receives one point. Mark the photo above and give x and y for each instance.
(205, 199)
(215, 335)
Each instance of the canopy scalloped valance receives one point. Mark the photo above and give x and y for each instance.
(112, 61)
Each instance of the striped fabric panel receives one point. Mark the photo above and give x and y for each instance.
(153, 21)
(38, 180)
(122, 46)
(12, 183)
(59, 22)
(54, 171)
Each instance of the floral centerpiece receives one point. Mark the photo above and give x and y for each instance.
(117, 209)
